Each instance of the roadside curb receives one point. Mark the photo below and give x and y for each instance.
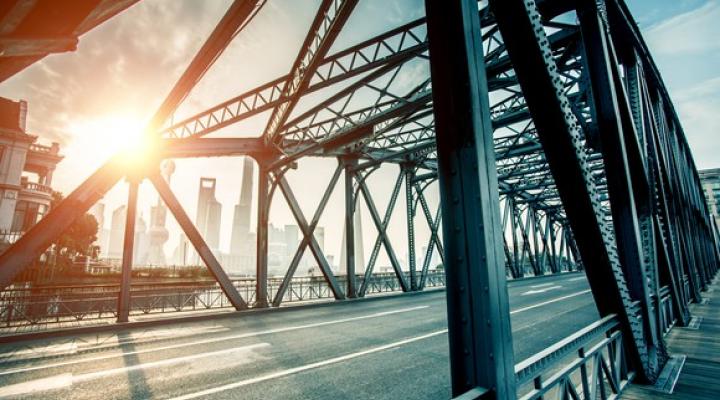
(124, 326)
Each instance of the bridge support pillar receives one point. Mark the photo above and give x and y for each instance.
(261, 267)
(123, 306)
(481, 350)
(349, 164)
(409, 171)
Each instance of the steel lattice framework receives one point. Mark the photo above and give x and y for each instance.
(554, 144)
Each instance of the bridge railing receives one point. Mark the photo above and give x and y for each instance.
(24, 305)
(596, 367)
(667, 312)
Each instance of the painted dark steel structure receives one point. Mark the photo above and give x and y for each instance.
(546, 127)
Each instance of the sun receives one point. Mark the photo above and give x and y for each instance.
(103, 137)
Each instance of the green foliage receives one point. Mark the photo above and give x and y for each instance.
(77, 240)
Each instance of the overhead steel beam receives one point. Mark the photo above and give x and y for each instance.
(234, 18)
(329, 20)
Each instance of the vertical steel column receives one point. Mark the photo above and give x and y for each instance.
(123, 308)
(409, 171)
(261, 289)
(481, 350)
(517, 269)
(350, 164)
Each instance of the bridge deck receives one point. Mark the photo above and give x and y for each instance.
(700, 377)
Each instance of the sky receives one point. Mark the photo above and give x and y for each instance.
(93, 99)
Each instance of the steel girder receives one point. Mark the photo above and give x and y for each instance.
(598, 118)
(481, 351)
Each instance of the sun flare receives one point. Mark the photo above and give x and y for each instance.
(109, 135)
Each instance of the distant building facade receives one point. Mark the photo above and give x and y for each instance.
(209, 213)
(241, 258)
(710, 179)
(158, 233)
(26, 171)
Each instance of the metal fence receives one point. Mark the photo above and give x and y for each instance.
(598, 369)
(22, 305)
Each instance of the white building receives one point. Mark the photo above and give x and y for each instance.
(26, 170)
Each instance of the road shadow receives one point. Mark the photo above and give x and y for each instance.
(138, 387)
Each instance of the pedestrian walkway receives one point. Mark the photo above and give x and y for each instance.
(700, 342)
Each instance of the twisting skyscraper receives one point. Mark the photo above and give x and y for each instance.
(158, 232)
(242, 244)
(209, 212)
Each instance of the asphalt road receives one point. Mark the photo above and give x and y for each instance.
(383, 349)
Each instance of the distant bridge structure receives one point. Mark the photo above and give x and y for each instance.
(545, 125)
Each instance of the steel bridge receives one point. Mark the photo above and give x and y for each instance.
(545, 125)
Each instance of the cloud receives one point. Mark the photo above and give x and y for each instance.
(115, 68)
(697, 107)
(692, 32)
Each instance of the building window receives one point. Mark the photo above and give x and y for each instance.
(19, 216)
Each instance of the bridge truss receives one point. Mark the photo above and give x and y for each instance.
(589, 167)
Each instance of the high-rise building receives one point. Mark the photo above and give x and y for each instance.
(158, 233)
(710, 179)
(320, 237)
(209, 212)
(183, 251)
(241, 258)
(292, 239)
(117, 237)
(103, 235)
(117, 233)
(241, 217)
(141, 245)
(359, 249)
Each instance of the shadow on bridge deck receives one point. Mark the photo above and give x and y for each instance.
(700, 376)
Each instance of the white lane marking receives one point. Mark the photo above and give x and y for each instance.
(77, 345)
(213, 340)
(49, 350)
(168, 361)
(63, 381)
(543, 290)
(544, 303)
(37, 385)
(542, 285)
(290, 371)
(579, 278)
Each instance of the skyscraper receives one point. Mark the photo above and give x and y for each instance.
(242, 243)
(209, 212)
(117, 237)
(158, 233)
(117, 232)
(103, 236)
(241, 218)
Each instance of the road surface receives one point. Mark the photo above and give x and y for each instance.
(391, 348)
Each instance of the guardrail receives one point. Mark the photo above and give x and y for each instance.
(667, 312)
(36, 187)
(26, 305)
(598, 369)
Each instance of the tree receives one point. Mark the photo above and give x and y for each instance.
(77, 240)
